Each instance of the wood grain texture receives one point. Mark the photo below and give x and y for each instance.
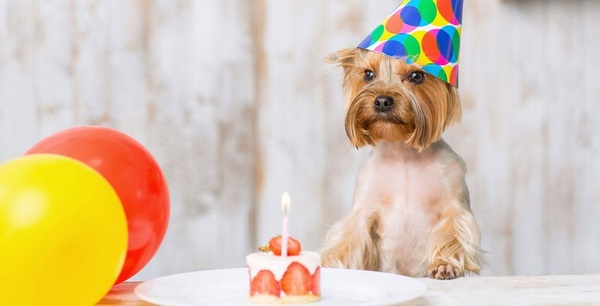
(123, 294)
(527, 108)
(235, 102)
(512, 290)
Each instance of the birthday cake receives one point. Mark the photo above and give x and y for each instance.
(291, 279)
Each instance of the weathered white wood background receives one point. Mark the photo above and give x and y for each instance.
(235, 102)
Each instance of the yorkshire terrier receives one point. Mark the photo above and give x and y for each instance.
(411, 212)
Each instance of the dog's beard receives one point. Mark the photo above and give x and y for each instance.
(404, 122)
(420, 113)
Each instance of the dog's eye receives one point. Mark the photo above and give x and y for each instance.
(416, 77)
(369, 76)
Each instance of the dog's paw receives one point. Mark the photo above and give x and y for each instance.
(445, 271)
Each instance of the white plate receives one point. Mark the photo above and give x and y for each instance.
(231, 286)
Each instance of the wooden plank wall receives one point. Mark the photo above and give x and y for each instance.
(235, 102)
(529, 133)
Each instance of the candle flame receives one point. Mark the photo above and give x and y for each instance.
(285, 201)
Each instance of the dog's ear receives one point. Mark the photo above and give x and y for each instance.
(454, 106)
(344, 57)
(434, 113)
(331, 58)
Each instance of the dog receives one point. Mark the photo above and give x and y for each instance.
(411, 212)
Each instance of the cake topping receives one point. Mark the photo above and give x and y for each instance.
(264, 248)
(293, 246)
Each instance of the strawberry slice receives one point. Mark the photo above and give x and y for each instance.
(265, 283)
(296, 280)
(316, 282)
(294, 247)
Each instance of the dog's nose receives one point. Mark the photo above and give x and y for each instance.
(383, 103)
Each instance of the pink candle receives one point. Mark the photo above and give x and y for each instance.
(285, 206)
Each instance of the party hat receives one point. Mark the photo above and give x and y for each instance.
(425, 32)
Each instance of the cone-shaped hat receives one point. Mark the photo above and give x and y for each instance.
(426, 32)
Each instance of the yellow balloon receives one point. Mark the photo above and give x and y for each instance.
(63, 232)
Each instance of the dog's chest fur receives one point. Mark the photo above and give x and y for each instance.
(407, 192)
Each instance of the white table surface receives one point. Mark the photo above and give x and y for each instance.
(513, 290)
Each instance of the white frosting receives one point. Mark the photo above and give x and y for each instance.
(278, 264)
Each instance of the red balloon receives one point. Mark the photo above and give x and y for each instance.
(135, 176)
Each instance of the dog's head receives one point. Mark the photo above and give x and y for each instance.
(388, 99)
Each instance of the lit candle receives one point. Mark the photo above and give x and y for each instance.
(285, 206)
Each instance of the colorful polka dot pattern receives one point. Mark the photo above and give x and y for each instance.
(425, 32)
